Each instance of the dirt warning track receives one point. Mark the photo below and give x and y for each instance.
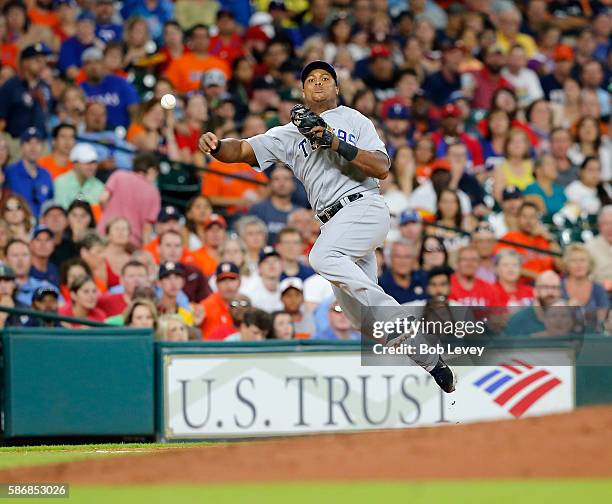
(577, 444)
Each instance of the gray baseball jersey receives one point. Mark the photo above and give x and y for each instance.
(326, 176)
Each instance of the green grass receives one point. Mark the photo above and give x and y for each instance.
(20, 456)
(427, 492)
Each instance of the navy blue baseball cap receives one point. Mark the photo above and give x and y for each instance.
(29, 133)
(31, 51)
(170, 268)
(45, 290)
(168, 213)
(267, 252)
(318, 65)
(41, 228)
(511, 192)
(227, 270)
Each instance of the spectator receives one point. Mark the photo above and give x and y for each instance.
(171, 250)
(185, 72)
(449, 216)
(172, 327)
(553, 83)
(134, 196)
(106, 28)
(545, 192)
(577, 287)
(440, 85)
(339, 326)
(15, 211)
(282, 326)
(488, 79)
(411, 228)
(69, 108)
(54, 217)
(254, 233)
(530, 320)
(58, 162)
(238, 307)
(588, 143)
(197, 212)
(233, 250)
(217, 305)
(438, 287)
(83, 300)
(292, 297)
(113, 152)
(227, 44)
(41, 249)
(19, 259)
(402, 280)
(215, 233)
(592, 79)
(81, 220)
(80, 182)
(517, 168)
(507, 290)
(255, 326)
(507, 20)
(275, 210)
(137, 42)
(449, 133)
(168, 219)
(290, 249)
(70, 270)
(8, 296)
(25, 96)
(524, 80)
(589, 192)
(171, 281)
(153, 130)
(45, 299)
(141, 314)
(264, 289)
(560, 143)
(600, 249)
(483, 240)
(433, 253)
(118, 95)
(381, 73)
(531, 233)
(466, 288)
(73, 48)
(118, 249)
(189, 130)
(25, 177)
(133, 276)
(91, 249)
(173, 45)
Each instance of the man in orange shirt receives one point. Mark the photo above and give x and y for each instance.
(207, 256)
(57, 162)
(217, 305)
(532, 233)
(185, 72)
(168, 219)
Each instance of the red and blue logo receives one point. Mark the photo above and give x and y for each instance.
(517, 386)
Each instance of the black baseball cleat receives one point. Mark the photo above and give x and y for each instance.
(444, 376)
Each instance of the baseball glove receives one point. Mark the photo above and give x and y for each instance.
(305, 120)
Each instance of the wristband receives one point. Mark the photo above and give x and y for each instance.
(347, 150)
(217, 148)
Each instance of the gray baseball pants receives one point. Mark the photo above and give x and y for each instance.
(344, 255)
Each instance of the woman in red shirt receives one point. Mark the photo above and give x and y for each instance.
(84, 298)
(507, 291)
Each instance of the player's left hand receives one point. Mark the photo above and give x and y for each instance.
(312, 126)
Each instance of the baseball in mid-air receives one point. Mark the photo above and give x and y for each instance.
(168, 101)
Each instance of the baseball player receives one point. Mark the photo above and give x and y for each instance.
(337, 154)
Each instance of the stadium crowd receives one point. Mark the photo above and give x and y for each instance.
(496, 116)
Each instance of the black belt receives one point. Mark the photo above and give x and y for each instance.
(327, 213)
